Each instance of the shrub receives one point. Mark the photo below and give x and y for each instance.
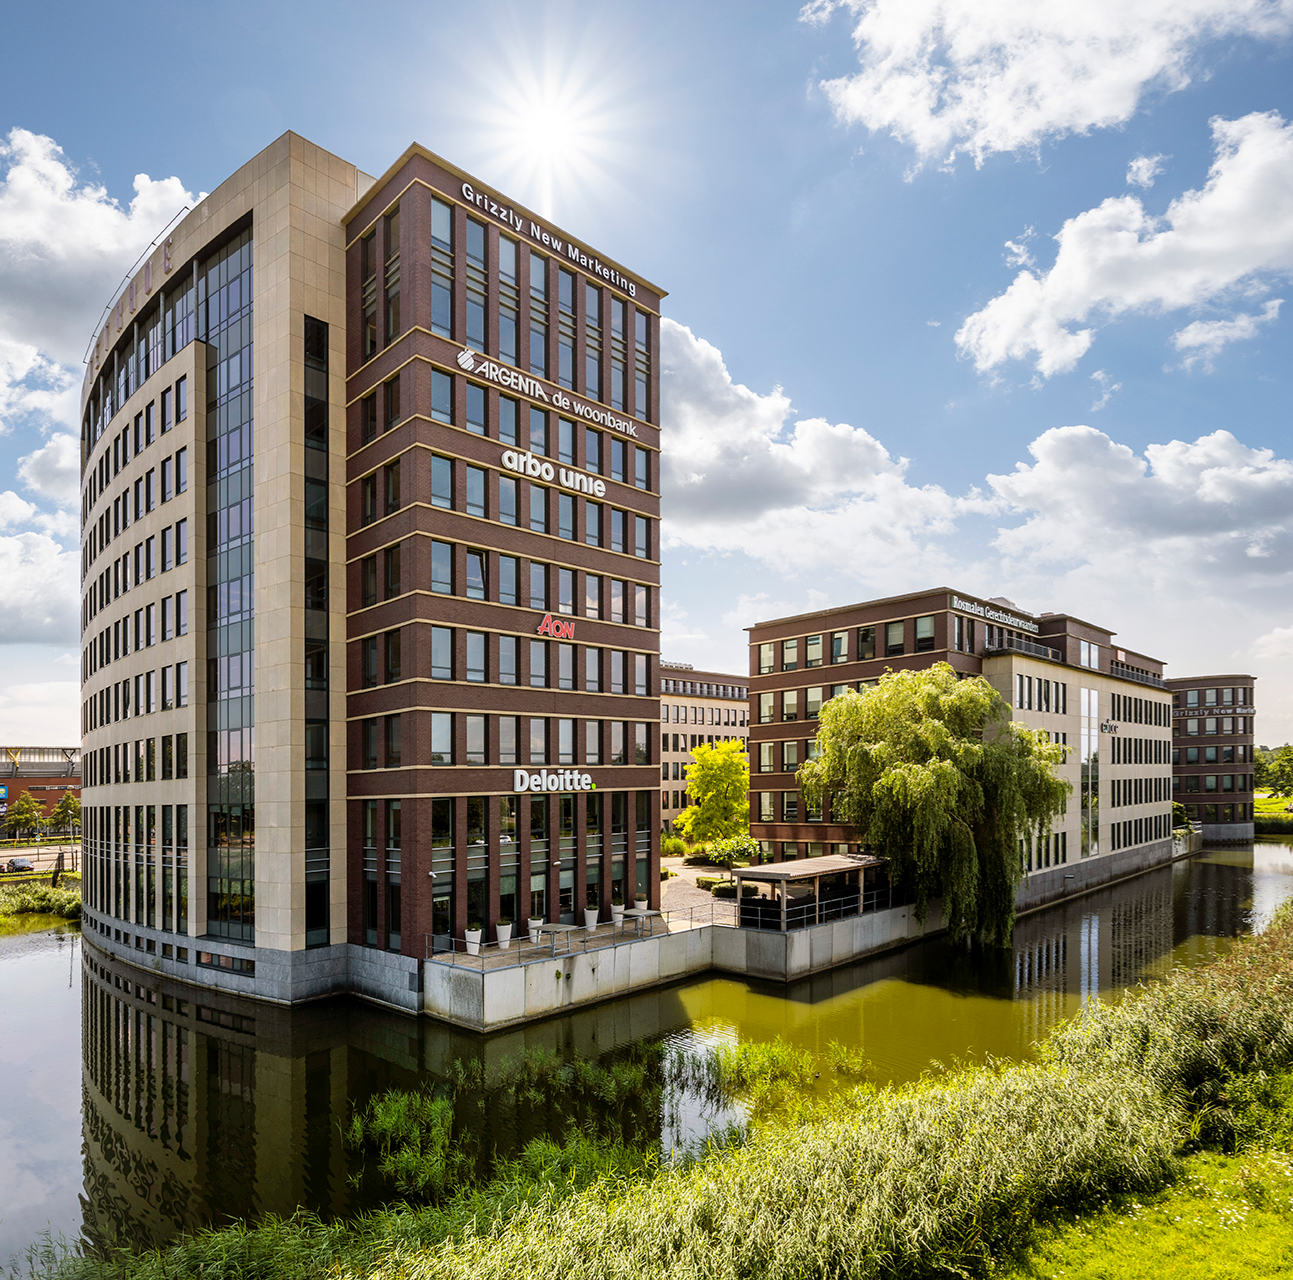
(708, 882)
(1273, 824)
(734, 849)
(40, 899)
(727, 889)
(672, 847)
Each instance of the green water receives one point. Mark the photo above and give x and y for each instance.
(138, 1108)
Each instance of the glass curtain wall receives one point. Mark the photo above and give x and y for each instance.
(224, 309)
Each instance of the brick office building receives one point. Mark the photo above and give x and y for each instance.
(1212, 753)
(1056, 673)
(369, 558)
(714, 706)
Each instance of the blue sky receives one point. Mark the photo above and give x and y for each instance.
(974, 292)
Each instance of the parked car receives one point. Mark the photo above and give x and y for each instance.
(20, 864)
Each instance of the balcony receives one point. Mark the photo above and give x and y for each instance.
(1133, 673)
(1017, 644)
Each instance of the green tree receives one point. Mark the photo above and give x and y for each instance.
(718, 783)
(1180, 818)
(25, 814)
(67, 813)
(932, 773)
(1279, 771)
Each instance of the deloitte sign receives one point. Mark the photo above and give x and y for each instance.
(562, 780)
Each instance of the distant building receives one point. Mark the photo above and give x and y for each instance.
(1212, 753)
(1057, 673)
(695, 707)
(45, 772)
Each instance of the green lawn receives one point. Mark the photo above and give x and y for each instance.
(1265, 803)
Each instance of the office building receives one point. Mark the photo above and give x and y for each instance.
(369, 579)
(1058, 674)
(1212, 753)
(696, 707)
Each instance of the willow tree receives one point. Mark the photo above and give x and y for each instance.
(932, 774)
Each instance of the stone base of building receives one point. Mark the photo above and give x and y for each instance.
(1228, 832)
(1041, 888)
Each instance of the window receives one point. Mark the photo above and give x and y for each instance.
(813, 703)
(167, 479)
(566, 591)
(789, 756)
(476, 656)
(538, 741)
(150, 489)
(893, 639)
(790, 704)
(538, 664)
(368, 419)
(866, 643)
(393, 752)
(441, 482)
(368, 580)
(368, 744)
(641, 547)
(507, 580)
(508, 729)
(441, 653)
(441, 268)
(641, 605)
(368, 498)
(789, 655)
(566, 516)
(766, 708)
(538, 586)
(766, 757)
(441, 396)
(168, 622)
(475, 409)
(168, 550)
(476, 575)
(592, 742)
(507, 660)
(392, 559)
(840, 646)
(616, 659)
(641, 468)
(566, 667)
(475, 492)
(538, 509)
(368, 660)
(538, 431)
(538, 316)
(767, 659)
(182, 542)
(442, 568)
(168, 692)
(475, 740)
(392, 647)
(593, 670)
(617, 529)
(813, 651)
(592, 595)
(506, 500)
(507, 420)
(924, 634)
(640, 681)
(593, 523)
(442, 737)
(181, 613)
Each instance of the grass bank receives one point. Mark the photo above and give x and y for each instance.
(951, 1175)
(32, 898)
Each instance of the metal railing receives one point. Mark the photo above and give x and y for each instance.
(803, 913)
(523, 950)
(1020, 645)
(1140, 677)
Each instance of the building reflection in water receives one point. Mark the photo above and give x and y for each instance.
(200, 1107)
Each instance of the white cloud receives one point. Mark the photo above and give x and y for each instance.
(40, 714)
(740, 475)
(1204, 339)
(53, 470)
(1108, 389)
(975, 77)
(1232, 235)
(1142, 171)
(14, 510)
(39, 601)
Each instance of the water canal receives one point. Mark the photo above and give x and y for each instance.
(133, 1109)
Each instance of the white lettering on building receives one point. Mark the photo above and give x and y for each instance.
(563, 780)
(537, 469)
(989, 614)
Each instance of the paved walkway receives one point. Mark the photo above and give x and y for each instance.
(679, 892)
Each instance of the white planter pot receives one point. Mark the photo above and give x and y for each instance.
(617, 915)
(533, 924)
(504, 932)
(640, 903)
(473, 942)
(590, 918)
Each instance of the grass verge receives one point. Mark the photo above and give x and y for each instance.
(28, 898)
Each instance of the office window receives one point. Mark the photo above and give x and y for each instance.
(476, 575)
(790, 806)
(475, 491)
(182, 690)
(368, 580)
(593, 670)
(566, 591)
(368, 660)
(442, 737)
(441, 396)
(813, 702)
(538, 734)
(789, 655)
(789, 756)
(538, 509)
(391, 395)
(508, 730)
(790, 704)
(507, 420)
(617, 528)
(441, 653)
(441, 482)
(565, 666)
(506, 500)
(368, 418)
(392, 474)
(566, 516)
(813, 651)
(566, 441)
(507, 659)
(766, 764)
(507, 580)
(476, 656)
(641, 547)
(538, 586)
(641, 468)
(368, 498)
(766, 811)
(475, 745)
(167, 479)
(538, 431)
(391, 556)
(168, 692)
(866, 643)
(766, 715)
(640, 680)
(393, 744)
(442, 568)
(538, 664)
(592, 742)
(767, 659)
(368, 730)
(893, 639)
(392, 647)
(641, 605)
(475, 409)
(924, 634)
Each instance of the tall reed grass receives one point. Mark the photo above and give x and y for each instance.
(40, 899)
